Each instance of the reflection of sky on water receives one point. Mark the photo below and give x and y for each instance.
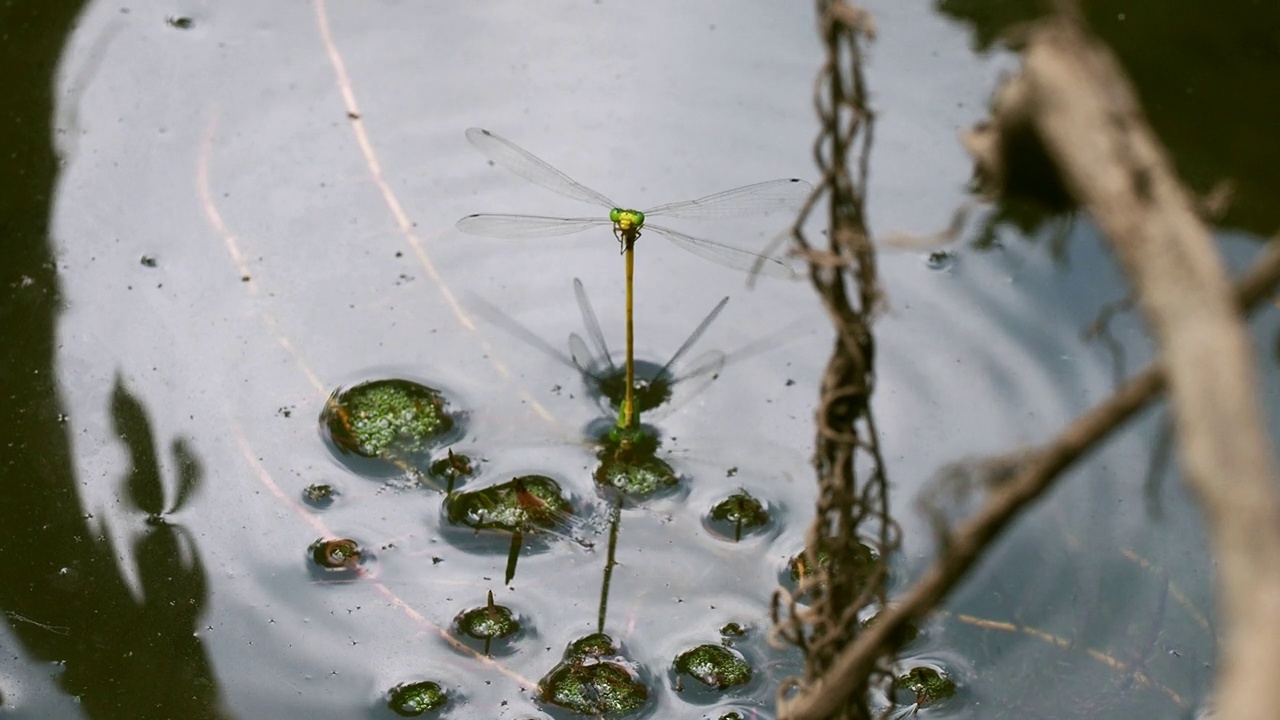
(979, 358)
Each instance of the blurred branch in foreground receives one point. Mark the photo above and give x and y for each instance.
(1072, 100)
(1073, 94)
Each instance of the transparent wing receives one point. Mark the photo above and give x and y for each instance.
(771, 196)
(525, 226)
(706, 368)
(582, 358)
(724, 255)
(490, 312)
(697, 333)
(591, 322)
(523, 163)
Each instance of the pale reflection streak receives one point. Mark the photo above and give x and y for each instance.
(232, 244)
(403, 223)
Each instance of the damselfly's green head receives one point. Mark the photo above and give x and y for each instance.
(626, 220)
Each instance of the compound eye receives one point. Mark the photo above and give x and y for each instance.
(615, 215)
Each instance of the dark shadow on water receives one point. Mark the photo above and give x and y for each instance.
(125, 652)
(1208, 75)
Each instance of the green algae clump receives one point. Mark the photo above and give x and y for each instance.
(714, 666)
(737, 513)
(414, 699)
(488, 623)
(593, 679)
(387, 419)
(636, 476)
(529, 502)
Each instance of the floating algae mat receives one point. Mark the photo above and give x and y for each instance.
(395, 421)
(523, 504)
(594, 679)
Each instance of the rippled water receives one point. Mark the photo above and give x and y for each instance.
(235, 239)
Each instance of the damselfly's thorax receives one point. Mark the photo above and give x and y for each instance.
(626, 226)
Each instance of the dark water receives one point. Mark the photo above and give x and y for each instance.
(198, 249)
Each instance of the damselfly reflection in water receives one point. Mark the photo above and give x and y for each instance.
(786, 194)
(662, 387)
(656, 387)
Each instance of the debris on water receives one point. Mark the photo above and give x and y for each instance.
(452, 469)
(940, 259)
(320, 495)
(336, 553)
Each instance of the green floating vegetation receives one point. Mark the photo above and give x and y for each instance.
(488, 623)
(523, 504)
(593, 679)
(928, 685)
(637, 477)
(393, 420)
(595, 645)
(737, 514)
(629, 465)
(715, 666)
(414, 699)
